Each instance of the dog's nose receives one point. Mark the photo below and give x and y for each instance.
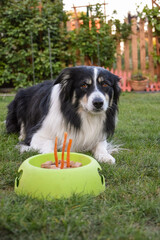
(98, 103)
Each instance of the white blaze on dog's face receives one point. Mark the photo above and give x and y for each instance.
(88, 89)
(96, 95)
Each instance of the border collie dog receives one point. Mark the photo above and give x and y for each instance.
(82, 101)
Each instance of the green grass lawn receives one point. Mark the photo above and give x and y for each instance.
(128, 209)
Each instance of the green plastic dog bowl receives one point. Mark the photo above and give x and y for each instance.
(42, 183)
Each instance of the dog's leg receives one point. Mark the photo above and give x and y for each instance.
(101, 154)
(22, 132)
(42, 144)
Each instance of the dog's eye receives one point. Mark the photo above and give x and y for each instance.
(84, 86)
(104, 84)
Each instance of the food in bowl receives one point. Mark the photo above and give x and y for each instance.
(52, 165)
(61, 164)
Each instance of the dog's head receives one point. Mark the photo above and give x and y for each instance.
(92, 89)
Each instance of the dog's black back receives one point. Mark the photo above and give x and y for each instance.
(31, 103)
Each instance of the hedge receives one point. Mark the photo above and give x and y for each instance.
(36, 45)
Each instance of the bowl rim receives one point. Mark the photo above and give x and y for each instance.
(92, 160)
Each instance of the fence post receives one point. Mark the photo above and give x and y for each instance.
(150, 50)
(126, 52)
(50, 53)
(98, 52)
(33, 69)
(142, 46)
(126, 55)
(158, 53)
(134, 44)
(119, 64)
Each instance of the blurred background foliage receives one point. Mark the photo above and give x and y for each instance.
(35, 42)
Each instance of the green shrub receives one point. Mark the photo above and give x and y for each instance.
(21, 24)
(24, 47)
(98, 45)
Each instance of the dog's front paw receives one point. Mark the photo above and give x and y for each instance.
(106, 158)
(101, 154)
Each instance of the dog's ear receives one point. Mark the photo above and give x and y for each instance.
(116, 87)
(66, 81)
(63, 76)
(112, 111)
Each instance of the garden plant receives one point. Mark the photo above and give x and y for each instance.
(36, 45)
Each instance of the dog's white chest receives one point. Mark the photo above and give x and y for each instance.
(90, 133)
(84, 139)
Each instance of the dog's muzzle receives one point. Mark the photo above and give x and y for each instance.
(98, 103)
(95, 103)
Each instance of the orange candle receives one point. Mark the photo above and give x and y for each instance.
(63, 149)
(68, 152)
(55, 152)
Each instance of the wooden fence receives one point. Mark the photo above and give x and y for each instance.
(137, 54)
(142, 33)
(140, 40)
(125, 83)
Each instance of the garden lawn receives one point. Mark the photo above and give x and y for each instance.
(128, 209)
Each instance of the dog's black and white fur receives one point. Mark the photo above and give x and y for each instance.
(82, 101)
